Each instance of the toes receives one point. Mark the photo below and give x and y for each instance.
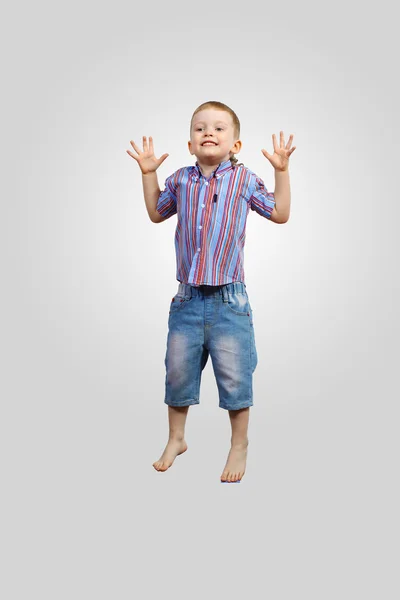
(160, 466)
(231, 477)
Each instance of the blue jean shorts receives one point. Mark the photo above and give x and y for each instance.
(217, 321)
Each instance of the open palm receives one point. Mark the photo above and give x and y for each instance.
(280, 158)
(146, 159)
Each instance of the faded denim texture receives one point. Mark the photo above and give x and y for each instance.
(216, 321)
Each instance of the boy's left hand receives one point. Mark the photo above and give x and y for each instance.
(280, 158)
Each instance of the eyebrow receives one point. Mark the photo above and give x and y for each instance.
(199, 122)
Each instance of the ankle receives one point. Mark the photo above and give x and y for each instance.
(177, 436)
(239, 442)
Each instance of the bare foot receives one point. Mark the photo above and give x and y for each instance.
(236, 463)
(172, 450)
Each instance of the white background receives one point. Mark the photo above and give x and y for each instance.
(88, 279)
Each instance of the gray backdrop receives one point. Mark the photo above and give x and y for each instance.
(87, 282)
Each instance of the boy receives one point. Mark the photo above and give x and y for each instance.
(211, 312)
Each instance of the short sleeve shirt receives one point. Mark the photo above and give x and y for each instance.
(212, 215)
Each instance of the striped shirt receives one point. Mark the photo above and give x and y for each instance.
(212, 213)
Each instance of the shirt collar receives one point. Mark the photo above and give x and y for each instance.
(222, 168)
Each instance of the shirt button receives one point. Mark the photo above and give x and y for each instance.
(198, 249)
(206, 182)
(200, 226)
(203, 205)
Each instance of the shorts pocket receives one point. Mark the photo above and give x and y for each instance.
(178, 303)
(239, 304)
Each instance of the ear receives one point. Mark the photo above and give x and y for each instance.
(190, 147)
(236, 147)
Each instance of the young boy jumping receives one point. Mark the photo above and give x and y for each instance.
(211, 313)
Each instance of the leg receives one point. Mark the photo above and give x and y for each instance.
(176, 443)
(236, 463)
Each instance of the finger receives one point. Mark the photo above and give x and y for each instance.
(145, 148)
(274, 142)
(162, 158)
(135, 147)
(282, 139)
(151, 144)
(130, 154)
(290, 140)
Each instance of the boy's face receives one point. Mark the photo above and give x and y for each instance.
(216, 126)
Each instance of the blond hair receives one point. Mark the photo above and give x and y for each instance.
(223, 107)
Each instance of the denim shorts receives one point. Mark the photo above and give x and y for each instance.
(217, 321)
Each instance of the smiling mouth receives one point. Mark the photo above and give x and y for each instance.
(209, 144)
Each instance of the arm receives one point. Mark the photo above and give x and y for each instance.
(148, 164)
(280, 161)
(281, 210)
(151, 191)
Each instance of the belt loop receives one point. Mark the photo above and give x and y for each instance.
(186, 290)
(225, 294)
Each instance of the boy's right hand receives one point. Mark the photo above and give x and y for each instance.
(146, 160)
